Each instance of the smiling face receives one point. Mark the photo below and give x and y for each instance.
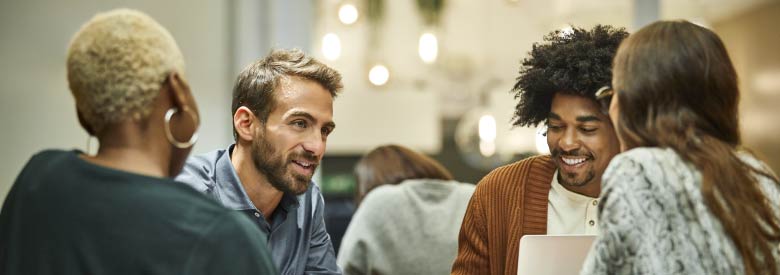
(292, 141)
(581, 140)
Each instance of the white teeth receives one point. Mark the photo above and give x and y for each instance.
(304, 164)
(573, 161)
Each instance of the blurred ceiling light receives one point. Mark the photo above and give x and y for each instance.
(348, 14)
(487, 135)
(487, 148)
(487, 128)
(566, 30)
(331, 46)
(541, 141)
(428, 48)
(378, 75)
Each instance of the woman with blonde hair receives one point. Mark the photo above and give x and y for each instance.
(409, 215)
(686, 197)
(119, 211)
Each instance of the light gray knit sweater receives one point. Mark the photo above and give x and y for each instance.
(409, 228)
(654, 221)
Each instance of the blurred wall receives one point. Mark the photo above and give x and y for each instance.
(36, 108)
(481, 45)
(752, 40)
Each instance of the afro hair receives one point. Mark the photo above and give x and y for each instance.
(577, 62)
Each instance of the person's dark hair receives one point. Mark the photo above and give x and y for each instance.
(255, 84)
(392, 164)
(677, 88)
(577, 62)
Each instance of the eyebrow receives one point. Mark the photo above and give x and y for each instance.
(587, 118)
(308, 116)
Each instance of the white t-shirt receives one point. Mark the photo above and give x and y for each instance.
(569, 213)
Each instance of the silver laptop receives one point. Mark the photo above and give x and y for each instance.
(553, 254)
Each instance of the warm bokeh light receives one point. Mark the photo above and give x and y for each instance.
(348, 14)
(378, 75)
(487, 148)
(331, 46)
(487, 128)
(428, 47)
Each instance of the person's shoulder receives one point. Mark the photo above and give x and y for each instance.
(640, 154)
(462, 187)
(50, 153)
(199, 170)
(51, 156)
(536, 167)
(386, 194)
(646, 160)
(203, 163)
(645, 168)
(179, 197)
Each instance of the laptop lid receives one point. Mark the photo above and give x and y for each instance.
(553, 254)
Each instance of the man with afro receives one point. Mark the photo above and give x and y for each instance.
(550, 194)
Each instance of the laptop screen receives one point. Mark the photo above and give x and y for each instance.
(553, 254)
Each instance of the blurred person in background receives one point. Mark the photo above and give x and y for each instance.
(555, 194)
(686, 198)
(282, 116)
(119, 211)
(408, 216)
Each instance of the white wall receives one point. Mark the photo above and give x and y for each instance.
(36, 108)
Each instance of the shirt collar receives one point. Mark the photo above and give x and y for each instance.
(233, 194)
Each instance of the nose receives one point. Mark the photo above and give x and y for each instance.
(315, 145)
(569, 141)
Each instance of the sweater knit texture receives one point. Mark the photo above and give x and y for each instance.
(508, 203)
(654, 219)
(409, 228)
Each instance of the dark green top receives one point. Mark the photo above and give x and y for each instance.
(65, 215)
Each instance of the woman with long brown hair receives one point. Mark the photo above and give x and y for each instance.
(409, 216)
(686, 198)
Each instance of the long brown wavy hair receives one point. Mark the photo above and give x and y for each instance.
(392, 164)
(677, 88)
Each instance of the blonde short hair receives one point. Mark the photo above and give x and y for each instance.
(117, 63)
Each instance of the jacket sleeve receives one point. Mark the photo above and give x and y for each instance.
(473, 256)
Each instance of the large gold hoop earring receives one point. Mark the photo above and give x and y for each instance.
(169, 134)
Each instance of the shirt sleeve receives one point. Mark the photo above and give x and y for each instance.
(621, 220)
(232, 245)
(321, 258)
(473, 256)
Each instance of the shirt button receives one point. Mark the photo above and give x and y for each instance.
(257, 214)
(595, 203)
(592, 223)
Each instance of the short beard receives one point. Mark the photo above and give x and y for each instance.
(272, 165)
(588, 178)
(556, 154)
